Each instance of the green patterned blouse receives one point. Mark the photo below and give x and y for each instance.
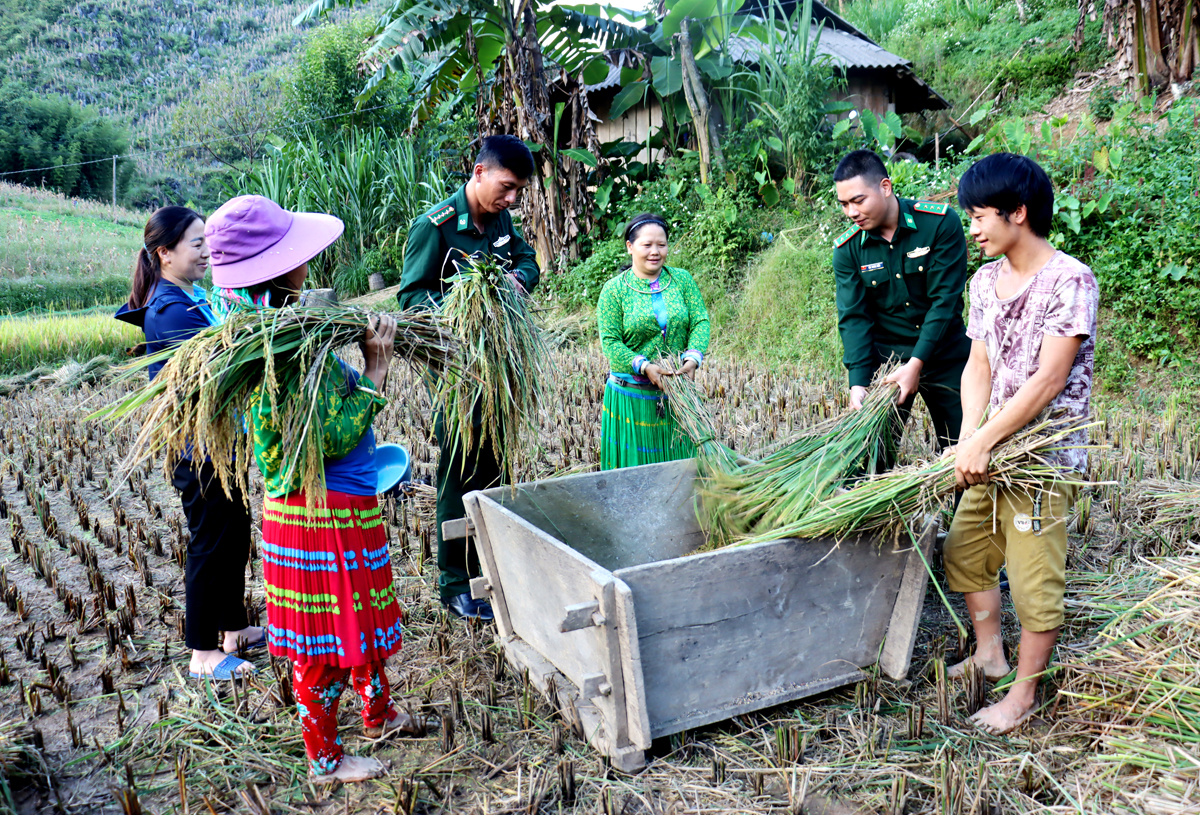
(631, 314)
(346, 413)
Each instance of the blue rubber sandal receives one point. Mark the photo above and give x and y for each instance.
(253, 645)
(226, 669)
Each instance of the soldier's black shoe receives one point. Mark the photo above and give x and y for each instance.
(463, 606)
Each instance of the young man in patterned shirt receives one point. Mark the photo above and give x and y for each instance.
(1032, 326)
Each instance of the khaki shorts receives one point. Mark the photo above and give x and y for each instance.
(1026, 531)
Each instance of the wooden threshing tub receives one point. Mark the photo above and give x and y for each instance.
(596, 596)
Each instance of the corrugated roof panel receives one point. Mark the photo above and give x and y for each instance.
(850, 51)
(845, 49)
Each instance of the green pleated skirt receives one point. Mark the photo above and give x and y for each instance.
(632, 432)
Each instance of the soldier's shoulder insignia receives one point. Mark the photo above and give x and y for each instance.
(442, 214)
(931, 207)
(841, 239)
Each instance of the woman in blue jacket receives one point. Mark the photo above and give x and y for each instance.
(169, 307)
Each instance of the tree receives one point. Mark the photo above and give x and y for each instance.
(504, 55)
(324, 83)
(51, 131)
(230, 117)
(691, 50)
(1155, 40)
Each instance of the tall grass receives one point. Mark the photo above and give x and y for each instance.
(786, 311)
(876, 18)
(374, 183)
(30, 342)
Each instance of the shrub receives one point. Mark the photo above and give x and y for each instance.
(579, 285)
(326, 81)
(1049, 70)
(1127, 203)
(355, 279)
(718, 240)
(1102, 101)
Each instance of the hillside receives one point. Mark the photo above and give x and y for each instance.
(62, 253)
(134, 61)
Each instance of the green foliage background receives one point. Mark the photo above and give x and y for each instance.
(51, 131)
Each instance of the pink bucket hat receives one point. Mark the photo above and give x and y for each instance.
(252, 240)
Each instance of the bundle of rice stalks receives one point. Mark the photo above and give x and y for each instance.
(11, 385)
(68, 376)
(497, 388)
(1139, 688)
(783, 487)
(198, 402)
(73, 374)
(1169, 503)
(885, 503)
(696, 423)
(567, 330)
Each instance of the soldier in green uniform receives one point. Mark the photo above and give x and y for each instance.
(901, 270)
(473, 220)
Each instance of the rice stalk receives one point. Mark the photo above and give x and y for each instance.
(786, 485)
(197, 404)
(695, 421)
(885, 503)
(1169, 502)
(496, 391)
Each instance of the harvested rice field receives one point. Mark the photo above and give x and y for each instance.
(97, 713)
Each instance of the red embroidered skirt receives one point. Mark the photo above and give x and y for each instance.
(328, 580)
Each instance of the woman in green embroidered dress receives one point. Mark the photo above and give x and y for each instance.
(647, 313)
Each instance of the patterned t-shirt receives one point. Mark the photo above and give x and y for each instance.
(1060, 301)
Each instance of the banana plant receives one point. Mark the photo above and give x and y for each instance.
(502, 55)
(453, 46)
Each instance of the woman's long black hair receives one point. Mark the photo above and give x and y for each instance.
(165, 228)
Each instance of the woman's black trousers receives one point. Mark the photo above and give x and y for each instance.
(215, 571)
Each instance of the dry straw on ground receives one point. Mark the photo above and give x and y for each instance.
(1138, 692)
(105, 685)
(1171, 503)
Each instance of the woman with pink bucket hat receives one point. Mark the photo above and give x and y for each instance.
(331, 605)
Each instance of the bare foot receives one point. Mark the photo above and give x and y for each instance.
(245, 638)
(352, 769)
(994, 668)
(1003, 717)
(203, 662)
